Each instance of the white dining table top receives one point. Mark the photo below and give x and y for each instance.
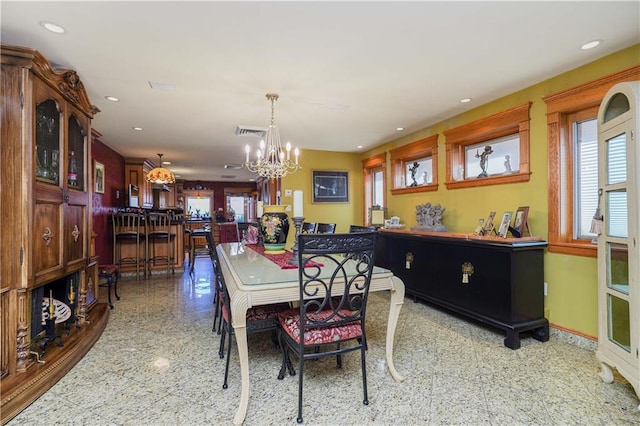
(251, 268)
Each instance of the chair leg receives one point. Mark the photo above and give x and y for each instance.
(216, 304)
(226, 368)
(363, 351)
(300, 376)
(115, 284)
(109, 284)
(221, 351)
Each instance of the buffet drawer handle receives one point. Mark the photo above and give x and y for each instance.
(408, 260)
(467, 271)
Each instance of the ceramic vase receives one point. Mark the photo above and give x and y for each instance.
(274, 227)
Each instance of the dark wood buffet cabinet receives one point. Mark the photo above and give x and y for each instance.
(45, 224)
(493, 280)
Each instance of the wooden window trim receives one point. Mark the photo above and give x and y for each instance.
(371, 165)
(560, 108)
(515, 120)
(427, 147)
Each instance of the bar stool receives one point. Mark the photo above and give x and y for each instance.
(128, 230)
(111, 274)
(158, 232)
(198, 245)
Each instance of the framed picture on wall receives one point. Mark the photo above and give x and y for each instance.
(330, 186)
(98, 177)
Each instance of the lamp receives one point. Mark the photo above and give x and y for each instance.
(272, 161)
(160, 174)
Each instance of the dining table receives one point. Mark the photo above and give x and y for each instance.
(253, 278)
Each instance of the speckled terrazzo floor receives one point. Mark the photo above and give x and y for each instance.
(157, 364)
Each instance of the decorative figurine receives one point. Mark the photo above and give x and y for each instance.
(429, 218)
(413, 169)
(425, 178)
(507, 164)
(484, 160)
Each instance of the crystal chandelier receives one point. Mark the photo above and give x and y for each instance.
(160, 174)
(273, 161)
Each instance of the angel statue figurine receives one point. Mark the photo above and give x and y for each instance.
(484, 160)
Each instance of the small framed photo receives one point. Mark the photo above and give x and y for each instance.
(520, 221)
(377, 215)
(488, 225)
(503, 231)
(330, 186)
(480, 227)
(98, 177)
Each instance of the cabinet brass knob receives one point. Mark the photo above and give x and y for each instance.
(408, 260)
(47, 236)
(467, 271)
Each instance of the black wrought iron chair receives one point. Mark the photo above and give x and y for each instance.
(333, 294)
(326, 228)
(308, 228)
(217, 296)
(259, 319)
(243, 228)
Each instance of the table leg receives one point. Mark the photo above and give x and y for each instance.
(240, 330)
(397, 300)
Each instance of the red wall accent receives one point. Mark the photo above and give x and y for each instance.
(112, 199)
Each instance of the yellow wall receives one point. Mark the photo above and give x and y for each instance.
(571, 302)
(343, 214)
(572, 280)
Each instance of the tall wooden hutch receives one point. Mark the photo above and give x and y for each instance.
(45, 224)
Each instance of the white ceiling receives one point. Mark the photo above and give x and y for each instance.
(348, 73)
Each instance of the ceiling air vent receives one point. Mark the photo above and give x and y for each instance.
(233, 166)
(228, 176)
(254, 131)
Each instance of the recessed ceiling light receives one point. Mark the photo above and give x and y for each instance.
(465, 100)
(137, 129)
(177, 175)
(166, 162)
(54, 28)
(112, 98)
(591, 44)
(399, 129)
(359, 146)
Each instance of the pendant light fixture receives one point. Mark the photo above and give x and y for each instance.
(161, 175)
(273, 160)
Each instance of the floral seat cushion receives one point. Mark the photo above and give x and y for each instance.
(290, 323)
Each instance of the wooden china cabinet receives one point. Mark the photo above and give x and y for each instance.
(45, 223)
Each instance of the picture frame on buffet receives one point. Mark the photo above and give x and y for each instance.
(480, 227)
(520, 221)
(488, 224)
(503, 231)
